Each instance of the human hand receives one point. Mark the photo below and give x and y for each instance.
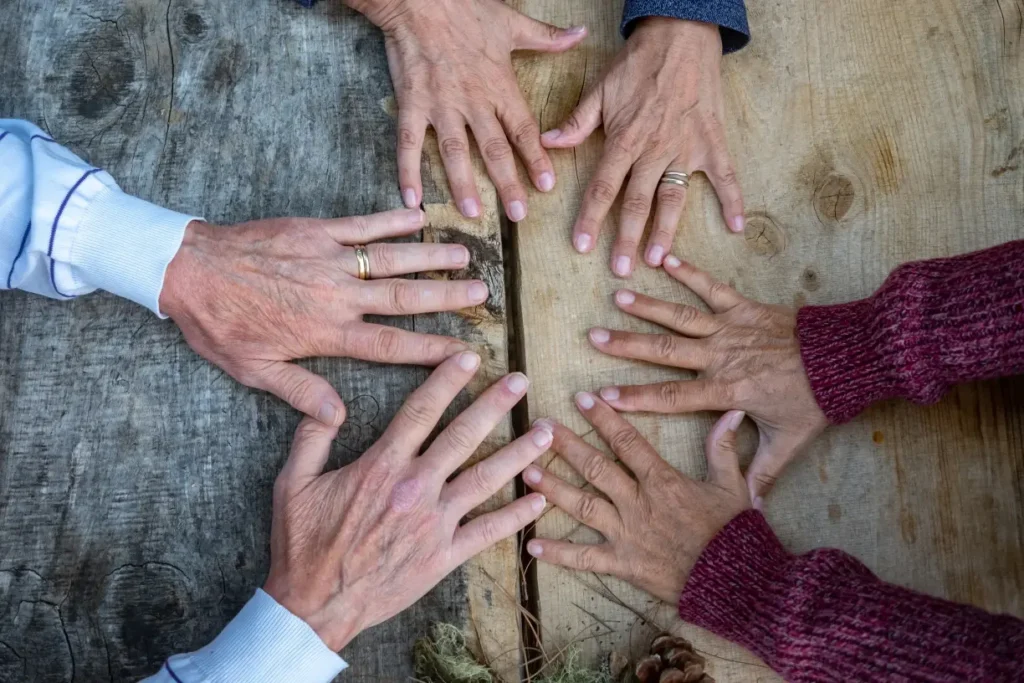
(354, 547)
(655, 523)
(251, 297)
(747, 355)
(451, 68)
(661, 105)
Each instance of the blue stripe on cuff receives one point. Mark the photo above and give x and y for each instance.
(56, 220)
(21, 249)
(729, 15)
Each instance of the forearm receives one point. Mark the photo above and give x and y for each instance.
(67, 229)
(932, 325)
(729, 15)
(823, 616)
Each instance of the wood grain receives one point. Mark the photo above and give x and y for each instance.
(866, 133)
(135, 478)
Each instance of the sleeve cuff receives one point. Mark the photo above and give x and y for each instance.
(124, 245)
(264, 641)
(729, 15)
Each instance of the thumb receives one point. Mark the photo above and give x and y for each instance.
(723, 458)
(769, 461)
(530, 34)
(580, 124)
(310, 449)
(303, 390)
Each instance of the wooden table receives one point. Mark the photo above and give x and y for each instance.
(135, 478)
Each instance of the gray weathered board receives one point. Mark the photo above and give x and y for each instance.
(135, 478)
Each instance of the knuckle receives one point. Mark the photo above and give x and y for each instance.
(585, 508)
(419, 413)
(742, 390)
(726, 176)
(668, 394)
(525, 132)
(360, 225)
(496, 149)
(671, 196)
(624, 440)
(765, 480)
(684, 316)
(490, 530)
(385, 257)
(400, 297)
(623, 143)
(460, 436)
(297, 391)
(717, 289)
(664, 346)
(454, 149)
(595, 468)
(602, 191)
(407, 139)
(387, 344)
(636, 205)
(586, 558)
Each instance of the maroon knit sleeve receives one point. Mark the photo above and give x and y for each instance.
(933, 324)
(824, 617)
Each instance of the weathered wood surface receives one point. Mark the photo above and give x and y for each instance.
(135, 478)
(867, 133)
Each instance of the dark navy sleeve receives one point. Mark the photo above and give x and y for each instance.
(730, 15)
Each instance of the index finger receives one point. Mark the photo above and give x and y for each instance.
(600, 195)
(623, 438)
(719, 296)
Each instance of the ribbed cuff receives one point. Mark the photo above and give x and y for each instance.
(264, 641)
(124, 245)
(729, 15)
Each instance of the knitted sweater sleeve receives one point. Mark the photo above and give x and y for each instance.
(932, 325)
(823, 616)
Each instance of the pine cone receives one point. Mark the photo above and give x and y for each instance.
(672, 660)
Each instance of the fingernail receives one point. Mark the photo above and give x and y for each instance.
(517, 382)
(534, 548)
(327, 414)
(582, 243)
(531, 475)
(735, 419)
(546, 182)
(544, 423)
(416, 216)
(599, 335)
(625, 297)
(542, 438)
(622, 266)
(538, 503)
(470, 209)
(517, 211)
(576, 30)
(469, 361)
(409, 197)
(672, 262)
(551, 135)
(737, 223)
(610, 393)
(584, 400)
(478, 292)
(458, 256)
(655, 254)
(759, 504)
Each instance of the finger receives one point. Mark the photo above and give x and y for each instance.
(677, 317)
(501, 164)
(719, 296)
(590, 463)
(600, 195)
(454, 146)
(466, 432)
(384, 344)
(421, 411)
(636, 208)
(486, 478)
(687, 396)
(722, 174)
(410, 297)
(583, 121)
(378, 226)
(303, 390)
(524, 132)
(389, 260)
(772, 457)
(412, 129)
(623, 438)
(579, 556)
(663, 349)
(723, 457)
(671, 200)
(584, 507)
(486, 530)
(530, 34)
(310, 450)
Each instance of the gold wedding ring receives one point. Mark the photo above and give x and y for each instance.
(363, 261)
(676, 178)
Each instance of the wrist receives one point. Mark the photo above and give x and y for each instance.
(335, 621)
(178, 282)
(671, 30)
(384, 14)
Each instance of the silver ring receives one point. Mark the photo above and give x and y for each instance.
(676, 178)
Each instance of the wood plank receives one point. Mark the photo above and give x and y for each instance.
(135, 478)
(910, 111)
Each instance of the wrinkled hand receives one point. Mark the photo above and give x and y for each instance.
(354, 547)
(655, 525)
(251, 297)
(747, 355)
(661, 106)
(451, 67)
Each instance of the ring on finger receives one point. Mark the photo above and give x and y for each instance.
(676, 178)
(363, 263)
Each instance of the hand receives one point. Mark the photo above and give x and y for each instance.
(251, 297)
(748, 357)
(451, 67)
(656, 525)
(354, 547)
(661, 105)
